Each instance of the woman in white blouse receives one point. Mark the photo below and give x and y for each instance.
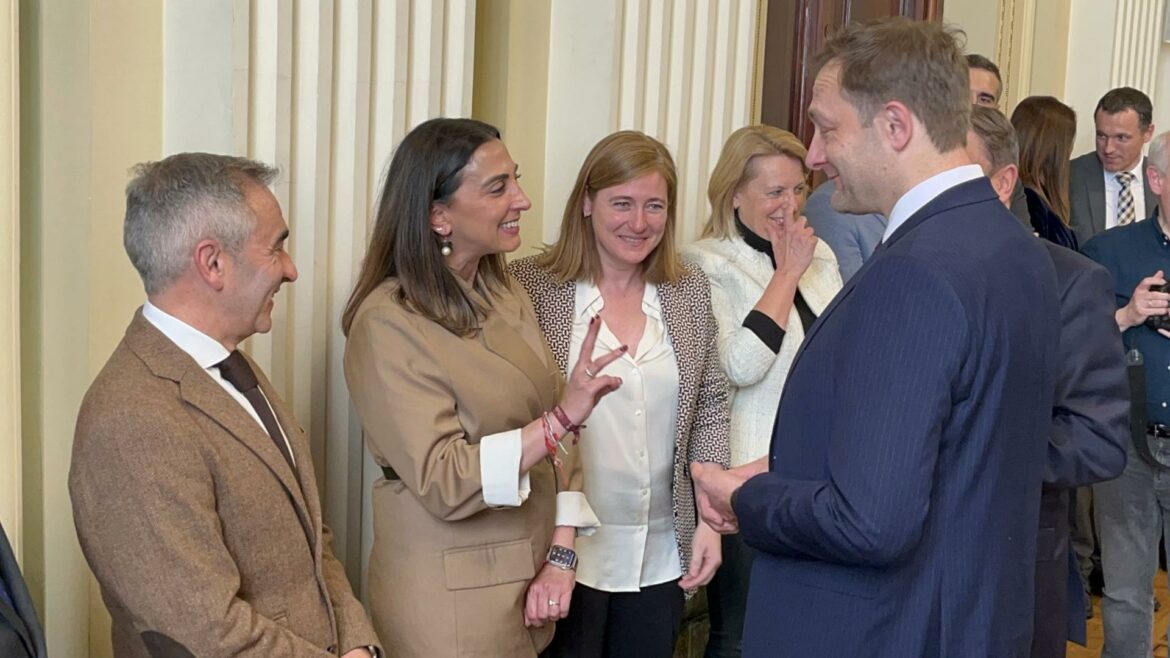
(616, 260)
(770, 279)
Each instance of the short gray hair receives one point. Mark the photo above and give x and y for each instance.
(998, 136)
(1159, 157)
(174, 203)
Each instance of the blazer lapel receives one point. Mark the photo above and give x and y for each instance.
(15, 622)
(505, 342)
(753, 263)
(682, 340)
(1095, 188)
(165, 359)
(815, 287)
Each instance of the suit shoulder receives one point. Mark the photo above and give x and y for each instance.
(1105, 242)
(707, 251)
(530, 274)
(128, 408)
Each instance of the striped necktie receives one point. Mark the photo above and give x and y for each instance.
(1125, 209)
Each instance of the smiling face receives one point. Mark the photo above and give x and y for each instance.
(629, 221)
(1120, 139)
(774, 193)
(482, 217)
(260, 268)
(848, 152)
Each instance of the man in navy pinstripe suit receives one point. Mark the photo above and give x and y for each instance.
(897, 512)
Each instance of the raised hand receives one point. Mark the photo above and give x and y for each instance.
(1144, 302)
(793, 245)
(586, 385)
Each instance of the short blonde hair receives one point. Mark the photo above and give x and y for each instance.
(734, 169)
(615, 160)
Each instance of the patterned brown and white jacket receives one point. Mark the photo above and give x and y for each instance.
(703, 398)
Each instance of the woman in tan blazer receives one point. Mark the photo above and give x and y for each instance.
(461, 404)
(616, 259)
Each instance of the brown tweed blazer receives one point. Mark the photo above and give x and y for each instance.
(202, 540)
(703, 398)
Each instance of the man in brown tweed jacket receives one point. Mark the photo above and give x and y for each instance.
(192, 485)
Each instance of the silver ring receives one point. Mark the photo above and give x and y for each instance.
(552, 602)
(589, 373)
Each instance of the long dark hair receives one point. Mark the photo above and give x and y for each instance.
(1046, 129)
(426, 168)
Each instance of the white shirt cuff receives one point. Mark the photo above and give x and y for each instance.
(573, 510)
(499, 470)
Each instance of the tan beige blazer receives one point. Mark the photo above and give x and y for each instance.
(448, 575)
(192, 521)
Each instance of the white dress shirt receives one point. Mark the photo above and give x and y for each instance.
(627, 451)
(207, 352)
(1137, 187)
(925, 192)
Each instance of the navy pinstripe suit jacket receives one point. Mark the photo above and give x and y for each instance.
(899, 515)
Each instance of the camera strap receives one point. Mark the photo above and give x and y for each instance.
(1135, 368)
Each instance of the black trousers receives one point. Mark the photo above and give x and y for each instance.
(600, 624)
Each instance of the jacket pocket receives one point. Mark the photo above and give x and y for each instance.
(485, 566)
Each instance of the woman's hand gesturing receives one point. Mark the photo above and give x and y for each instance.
(586, 385)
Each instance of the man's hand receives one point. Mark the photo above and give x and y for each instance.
(1145, 303)
(713, 489)
(549, 595)
(360, 652)
(706, 556)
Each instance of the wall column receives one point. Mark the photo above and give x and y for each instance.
(11, 516)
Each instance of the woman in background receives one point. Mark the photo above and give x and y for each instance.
(1046, 129)
(615, 265)
(463, 407)
(770, 279)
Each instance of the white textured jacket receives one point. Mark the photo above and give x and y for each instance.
(738, 275)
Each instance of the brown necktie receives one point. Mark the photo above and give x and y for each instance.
(238, 372)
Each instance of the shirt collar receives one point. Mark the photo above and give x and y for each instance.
(590, 302)
(925, 192)
(205, 350)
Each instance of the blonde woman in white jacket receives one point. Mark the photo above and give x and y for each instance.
(770, 279)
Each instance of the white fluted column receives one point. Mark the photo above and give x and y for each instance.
(324, 89)
(11, 461)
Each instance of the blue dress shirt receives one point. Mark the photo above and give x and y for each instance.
(851, 237)
(1132, 253)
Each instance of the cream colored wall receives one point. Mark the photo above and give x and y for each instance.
(90, 109)
(682, 72)
(979, 19)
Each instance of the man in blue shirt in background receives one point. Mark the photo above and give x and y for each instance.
(1130, 510)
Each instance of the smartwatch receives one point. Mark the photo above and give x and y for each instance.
(562, 557)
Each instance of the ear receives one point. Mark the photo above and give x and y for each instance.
(1149, 134)
(896, 123)
(211, 263)
(587, 205)
(440, 223)
(736, 200)
(1157, 180)
(1004, 182)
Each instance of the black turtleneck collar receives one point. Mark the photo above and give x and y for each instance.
(754, 241)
